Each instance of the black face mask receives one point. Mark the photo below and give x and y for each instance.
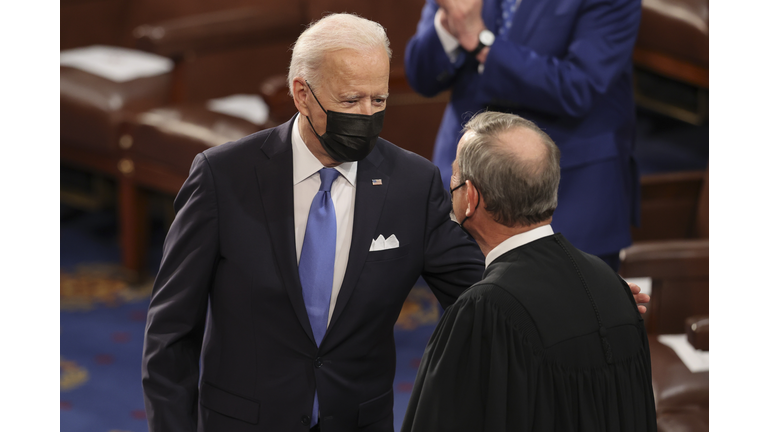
(348, 137)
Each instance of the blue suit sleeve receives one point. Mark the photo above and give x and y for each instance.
(599, 49)
(452, 261)
(428, 68)
(177, 309)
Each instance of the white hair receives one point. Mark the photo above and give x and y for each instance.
(332, 33)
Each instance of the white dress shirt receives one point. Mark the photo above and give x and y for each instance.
(306, 183)
(450, 43)
(517, 241)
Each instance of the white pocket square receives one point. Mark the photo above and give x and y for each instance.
(381, 244)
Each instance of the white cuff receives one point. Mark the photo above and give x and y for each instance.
(450, 43)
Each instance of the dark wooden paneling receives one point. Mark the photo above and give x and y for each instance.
(90, 22)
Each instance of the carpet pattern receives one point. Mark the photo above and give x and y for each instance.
(102, 326)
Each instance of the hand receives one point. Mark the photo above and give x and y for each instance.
(463, 19)
(448, 25)
(639, 297)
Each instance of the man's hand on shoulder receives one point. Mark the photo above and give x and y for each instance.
(639, 297)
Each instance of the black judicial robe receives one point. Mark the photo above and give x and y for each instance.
(549, 340)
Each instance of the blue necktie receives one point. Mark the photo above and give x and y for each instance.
(507, 12)
(316, 263)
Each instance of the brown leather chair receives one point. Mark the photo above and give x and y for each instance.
(92, 107)
(682, 396)
(95, 112)
(672, 248)
(164, 143)
(671, 59)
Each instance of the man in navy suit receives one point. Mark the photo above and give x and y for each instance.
(231, 342)
(563, 64)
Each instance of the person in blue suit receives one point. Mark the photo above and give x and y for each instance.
(566, 65)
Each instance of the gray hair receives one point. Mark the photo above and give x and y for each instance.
(516, 191)
(331, 33)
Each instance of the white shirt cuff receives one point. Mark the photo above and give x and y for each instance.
(450, 43)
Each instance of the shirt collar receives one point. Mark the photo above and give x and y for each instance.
(305, 163)
(517, 241)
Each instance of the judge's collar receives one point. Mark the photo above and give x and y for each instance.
(517, 241)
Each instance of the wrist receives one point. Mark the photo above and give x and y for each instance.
(469, 41)
(484, 40)
(469, 33)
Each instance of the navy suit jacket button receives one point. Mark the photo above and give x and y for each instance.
(318, 362)
(305, 420)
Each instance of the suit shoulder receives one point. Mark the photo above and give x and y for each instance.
(242, 153)
(244, 147)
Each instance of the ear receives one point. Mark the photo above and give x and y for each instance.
(473, 197)
(300, 94)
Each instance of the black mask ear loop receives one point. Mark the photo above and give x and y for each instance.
(461, 225)
(321, 107)
(313, 94)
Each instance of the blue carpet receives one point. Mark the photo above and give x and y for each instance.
(102, 322)
(101, 368)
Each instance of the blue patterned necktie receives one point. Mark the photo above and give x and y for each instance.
(504, 21)
(318, 254)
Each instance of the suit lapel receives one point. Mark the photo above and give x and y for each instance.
(275, 180)
(369, 200)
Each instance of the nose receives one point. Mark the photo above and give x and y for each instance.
(366, 107)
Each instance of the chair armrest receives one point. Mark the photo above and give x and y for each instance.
(679, 28)
(673, 40)
(221, 30)
(675, 388)
(679, 270)
(697, 329)
(670, 258)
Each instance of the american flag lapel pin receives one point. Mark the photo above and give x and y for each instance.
(376, 182)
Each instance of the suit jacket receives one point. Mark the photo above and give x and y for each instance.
(566, 65)
(228, 292)
(549, 340)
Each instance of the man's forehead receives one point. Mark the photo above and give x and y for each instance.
(348, 65)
